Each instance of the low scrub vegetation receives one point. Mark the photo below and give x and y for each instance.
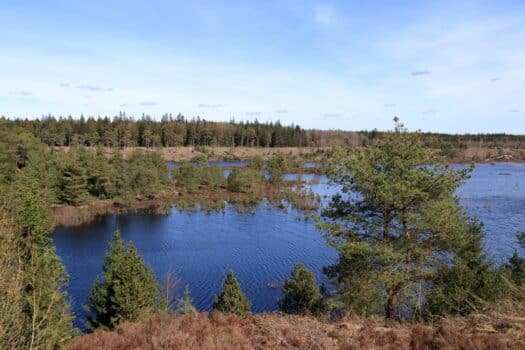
(273, 331)
(245, 181)
(191, 178)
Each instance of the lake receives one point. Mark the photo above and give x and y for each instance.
(263, 245)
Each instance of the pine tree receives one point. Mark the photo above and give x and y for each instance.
(72, 182)
(301, 294)
(119, 175)
(185, 304)
(276, 167)
(516, 268)
(396, 215)
(126, 289)
(41, 307)
(232, 299)
(469, 282)
(99, 177)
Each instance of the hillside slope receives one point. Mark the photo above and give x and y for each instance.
(273, 331)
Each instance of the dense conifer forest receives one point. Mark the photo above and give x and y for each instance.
(169, 131)
(122, 131)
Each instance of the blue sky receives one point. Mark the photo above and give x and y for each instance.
(450, 66)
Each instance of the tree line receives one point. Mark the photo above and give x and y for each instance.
(122, 132)
(169, 131)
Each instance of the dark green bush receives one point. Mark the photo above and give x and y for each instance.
(245, 180)
(232, 299)
(301, 294)
(256, 162)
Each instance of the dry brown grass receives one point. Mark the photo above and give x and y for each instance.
(273, 331)
(177, 154)
(470, 154)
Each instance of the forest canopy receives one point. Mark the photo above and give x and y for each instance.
(172, 131)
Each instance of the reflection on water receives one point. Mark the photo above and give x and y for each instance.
(263, 246)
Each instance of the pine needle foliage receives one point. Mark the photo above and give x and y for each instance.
(185, 304)
(301, 295)
(232, 299)
(394, 223)
(34, 308)
(126, 289)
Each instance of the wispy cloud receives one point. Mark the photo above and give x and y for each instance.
(210, 105)
(419, 73)
(324, 14)
(25, 93)
(493, 80)
(515, 111)
(253, 114)
(148, 103)
(281, 111)
(124, 105)
(65, 85)
(389, 105)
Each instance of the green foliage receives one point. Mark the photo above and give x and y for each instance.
(118, 174)
(256, 162)
(170, 131)
(202, 149)
(277, 165)
(72, 182)
(187, 177)
(99, 182)
(469, 282)
(40, 315)
(185, 304)
(211, 178)
(147, 173)
(191, 178)
(516, 269)
(246, 180)
(125, 291)
(16, 145)
(396, 215)
(232, 299)
(201, 159)
(301, 294)
(78, 175)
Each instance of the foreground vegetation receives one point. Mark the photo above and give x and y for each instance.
(407, 252)
(277, 331)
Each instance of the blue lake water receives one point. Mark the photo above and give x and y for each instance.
(219, 163)
(263, 245)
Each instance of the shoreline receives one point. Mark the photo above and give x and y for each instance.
(63, 215)
(69, 215)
